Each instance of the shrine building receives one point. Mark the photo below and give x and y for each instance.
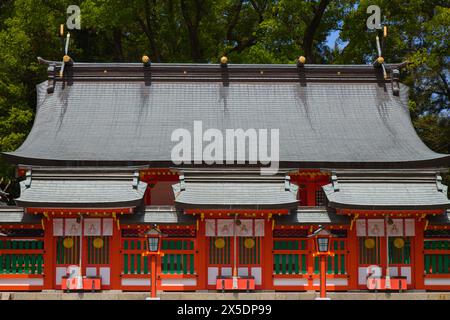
(96, 174)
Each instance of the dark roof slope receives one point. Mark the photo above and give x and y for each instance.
(327, 116)
(392, 190)
(233, 189)
(81, 188)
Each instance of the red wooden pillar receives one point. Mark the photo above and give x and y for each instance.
(116, 258)
(323, 276)
(267, 256)
(418, 259)
(154, 284)
(310, 263)
(310, 194)
(352, 258)
(201, 252)
(49, 267)
(158, 271)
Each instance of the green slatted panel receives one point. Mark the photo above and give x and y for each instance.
(125, 263)
(8, 263)
(178, 263)
(330, 265)
(192, 271)
(146, 265)
(297, 263)
(185, 264)
(132, 262)
(316, 265)
(440, 264)
(427, 263)
(343, 271)
(171, 268)
(165, 262)
(433, 263)
(283, 264)
(336, 263)
(304, 266)
(277, 263)
(138, 263)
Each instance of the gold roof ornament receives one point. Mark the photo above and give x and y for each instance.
(224, 61)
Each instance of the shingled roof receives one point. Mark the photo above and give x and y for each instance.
(124, 114)
(388, 190)
(233, 189)
(81, 188)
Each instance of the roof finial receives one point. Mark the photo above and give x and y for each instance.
(301, 61)
(146, 61)
(66, 58)
(379, 62)
(223, 61)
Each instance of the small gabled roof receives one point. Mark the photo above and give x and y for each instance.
(393, 190)
(328, 116)
(81, 188)
(234, 190)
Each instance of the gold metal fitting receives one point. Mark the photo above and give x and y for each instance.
(301, 60)
(145, 59)
(380, 60)
(223, 60)
(66, 58)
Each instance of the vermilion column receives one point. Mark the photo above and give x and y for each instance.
(418, 267)
(267, 256)
(201, 253)
(116, 258)
(352, 267)
(49, 267)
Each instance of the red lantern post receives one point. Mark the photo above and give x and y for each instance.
(322, 244)
(153, 237)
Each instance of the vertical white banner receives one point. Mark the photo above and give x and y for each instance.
(225, 227)
(375, 227)
(210, 227)
(107, 227)
(410, 228)
(259, 228)
(245, 228)
(72, 228)
(396, 228)
(92, 227)
(58, 227)
(361, 227)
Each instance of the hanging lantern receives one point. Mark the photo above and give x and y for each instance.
(369, 243)
(219, 243)
(249, 243)
(68, 243)
(98, 243)
(399, 243)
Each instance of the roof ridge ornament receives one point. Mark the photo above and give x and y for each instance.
(147, 70)
(224, 71)
(28, 175)
(379, 61)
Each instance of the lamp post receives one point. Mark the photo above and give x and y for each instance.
(322, 245)
(153, 236)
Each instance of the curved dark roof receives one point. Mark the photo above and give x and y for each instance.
(340, 116)
(75, 188)
(387, 190)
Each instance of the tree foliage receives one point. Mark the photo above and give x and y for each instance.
(250, 31)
